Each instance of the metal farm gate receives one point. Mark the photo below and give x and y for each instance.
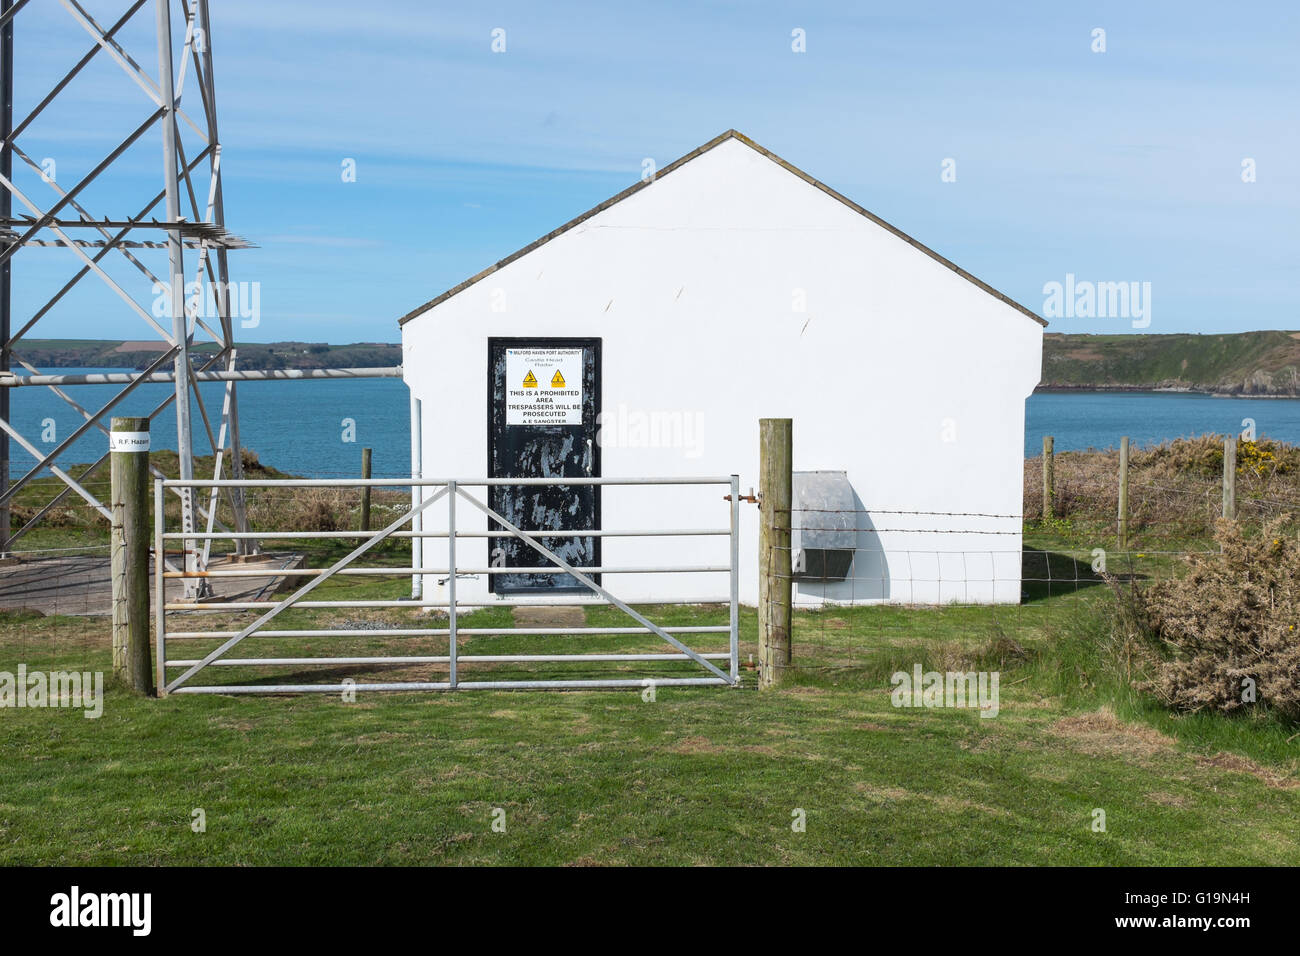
(590, 590)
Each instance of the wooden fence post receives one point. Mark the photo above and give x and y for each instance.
(1049, 476)
(365, 491)
(775, 444)
(1123, 493)
(129, 562)
(1230, 478)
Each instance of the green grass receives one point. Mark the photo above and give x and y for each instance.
(706, 775)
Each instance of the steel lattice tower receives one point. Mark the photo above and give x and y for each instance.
(189, 233)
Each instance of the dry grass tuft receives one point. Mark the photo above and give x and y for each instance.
(1240, 764)
(1102, 734)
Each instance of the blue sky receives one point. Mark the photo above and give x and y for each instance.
(1116, 166)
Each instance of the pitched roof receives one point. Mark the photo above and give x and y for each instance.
(699, 151)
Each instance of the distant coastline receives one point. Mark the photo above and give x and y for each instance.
(1264, 364)
(1157, 390)
(105, 353)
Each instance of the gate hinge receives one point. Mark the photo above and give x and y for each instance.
(752, 498)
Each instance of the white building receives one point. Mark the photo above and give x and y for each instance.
(732, 287)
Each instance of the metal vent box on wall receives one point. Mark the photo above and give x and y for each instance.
(823, 523)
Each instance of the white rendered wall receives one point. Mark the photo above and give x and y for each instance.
(898, 371)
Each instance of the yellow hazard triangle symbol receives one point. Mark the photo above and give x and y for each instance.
(530, 380)
(557, 380)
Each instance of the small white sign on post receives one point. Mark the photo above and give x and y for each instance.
(128, 441)
(544, 386)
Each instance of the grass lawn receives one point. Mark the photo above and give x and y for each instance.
(699, 775)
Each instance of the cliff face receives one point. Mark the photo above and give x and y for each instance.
(1245, 363)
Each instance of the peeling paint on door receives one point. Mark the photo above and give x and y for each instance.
(543, 451)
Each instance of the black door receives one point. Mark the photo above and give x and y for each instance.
(543, 399)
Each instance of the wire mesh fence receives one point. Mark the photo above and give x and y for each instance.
(905, 599)
(1175, 490)
(55, 604)
(956, 585)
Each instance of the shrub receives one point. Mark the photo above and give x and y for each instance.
(319, 515)
(301, 509)
(1265, 458)
(1228, 625)
(248, 459)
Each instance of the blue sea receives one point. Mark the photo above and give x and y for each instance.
(297, 426)
(1082, 420)
(300, 427)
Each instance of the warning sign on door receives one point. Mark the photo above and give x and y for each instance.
(529, 401)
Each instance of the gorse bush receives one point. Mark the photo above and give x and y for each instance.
(1263, 457)
(1203, 456)
(1226, 635)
